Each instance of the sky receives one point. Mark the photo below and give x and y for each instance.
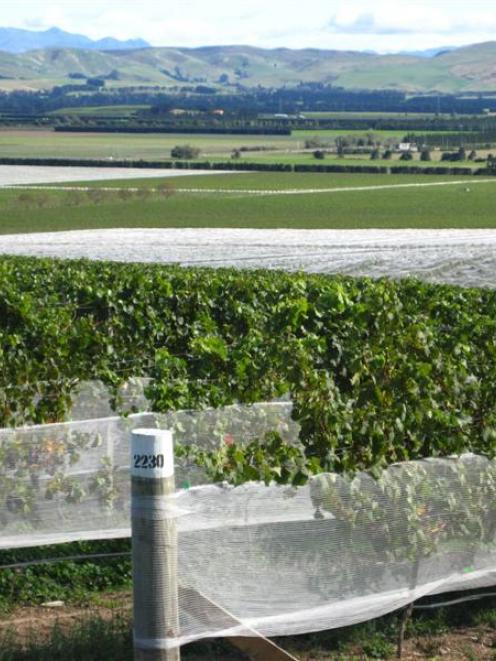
(377, 25)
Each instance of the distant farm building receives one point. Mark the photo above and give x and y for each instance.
(403, 147)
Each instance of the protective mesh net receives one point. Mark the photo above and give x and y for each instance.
(70, 481)
(276, 560)
(334, 552)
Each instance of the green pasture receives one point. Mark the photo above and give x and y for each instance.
(147, 146)
(157, 146)
(332, 134)
(101, 111)
(322, 114)
(275, 181)
(468, 204)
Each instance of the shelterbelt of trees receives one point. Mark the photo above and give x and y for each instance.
(304, 97)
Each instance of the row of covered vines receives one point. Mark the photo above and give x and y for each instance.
(378, 371)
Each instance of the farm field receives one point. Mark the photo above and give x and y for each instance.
(283, 182)
(256, 200)
(153, 146)
(101, 111)
(438, 228)
(157, 146)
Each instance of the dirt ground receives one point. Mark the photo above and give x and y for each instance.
(462, 643)
(470, 643)
(40, 620)
(467, 644)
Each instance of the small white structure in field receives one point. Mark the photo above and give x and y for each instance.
(406, 147)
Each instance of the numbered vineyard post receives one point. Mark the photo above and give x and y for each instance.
(154, 546)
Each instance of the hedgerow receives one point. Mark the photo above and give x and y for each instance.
(243, 165)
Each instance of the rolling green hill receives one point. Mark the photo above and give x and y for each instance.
(471, 68)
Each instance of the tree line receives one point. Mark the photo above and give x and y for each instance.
(247, 102)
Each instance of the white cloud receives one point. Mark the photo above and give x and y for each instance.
(367, 23)
(402, 17)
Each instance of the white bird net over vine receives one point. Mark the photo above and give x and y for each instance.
(334, 552)
(70, 481)
(273, 559)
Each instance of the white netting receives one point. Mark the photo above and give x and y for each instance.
(335, 552)
(464, 257)
(275, 559)
(70, 481)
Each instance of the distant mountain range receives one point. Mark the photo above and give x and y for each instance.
(55, 57)
(429, 52)
(14, 40)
